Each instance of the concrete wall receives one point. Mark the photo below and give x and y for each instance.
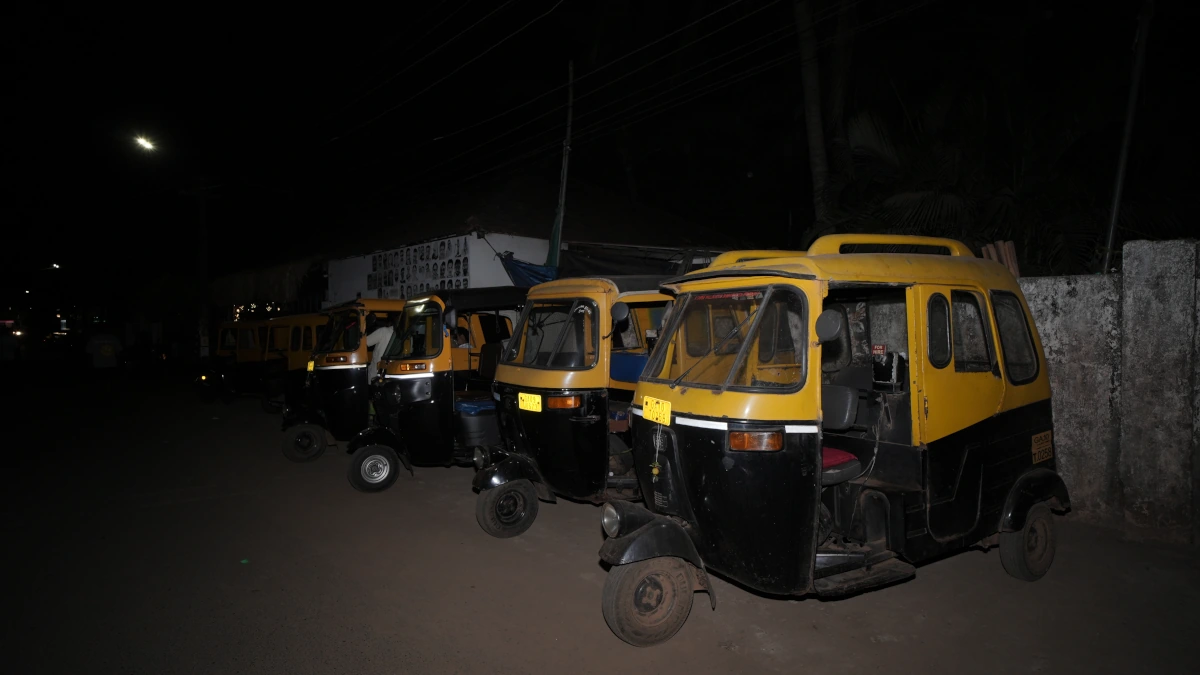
(449, 262)
(1124, 358)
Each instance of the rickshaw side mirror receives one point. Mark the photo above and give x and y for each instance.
(839, 407)
(450, 318)
(829, 326)
(620, 313)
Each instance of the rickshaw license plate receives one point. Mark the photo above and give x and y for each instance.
(656, 410)
(530, 402)
(1043, 449)
(310, 365)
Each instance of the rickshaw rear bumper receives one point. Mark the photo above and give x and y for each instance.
(505, 467)
(644, 535)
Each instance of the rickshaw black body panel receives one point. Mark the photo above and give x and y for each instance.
(752, 515)
(336, 398)
(425, 416)
(568, 447)
(508, 467)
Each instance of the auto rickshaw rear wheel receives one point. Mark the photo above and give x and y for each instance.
(508, 510)
(373, 468)
(304, 442)
(1028, 553)
(647, 602)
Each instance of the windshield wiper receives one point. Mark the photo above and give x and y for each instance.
(562, 337)
(736, 329)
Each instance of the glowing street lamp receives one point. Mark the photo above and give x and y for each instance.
(145, 143)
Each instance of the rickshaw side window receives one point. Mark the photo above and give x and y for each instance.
(696, 331)
(1016, 340)
(262, 336)
(246, 338)
(939, 331)
(307, 341)
(228, 339)
(972, 348)
(295, 343)
(495, 328)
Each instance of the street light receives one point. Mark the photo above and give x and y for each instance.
(145, 143)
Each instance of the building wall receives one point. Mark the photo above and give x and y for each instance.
(448, 262)
(1124, 358)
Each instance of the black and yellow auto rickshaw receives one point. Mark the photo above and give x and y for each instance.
(289, 346)
(238, 362)
(336, 393)
(823, 423)
(564, 386)
(434, 403)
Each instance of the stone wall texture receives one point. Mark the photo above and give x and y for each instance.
(1124, 358)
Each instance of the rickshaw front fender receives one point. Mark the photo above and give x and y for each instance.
(511, 467)
(380, 436)
(301, 414)
(661, 537)
(1032, 487)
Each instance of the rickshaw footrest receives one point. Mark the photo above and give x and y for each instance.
(853, 581)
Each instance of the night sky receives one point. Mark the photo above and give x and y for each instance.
(298, 122)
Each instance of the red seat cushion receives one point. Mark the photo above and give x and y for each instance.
(831, 457)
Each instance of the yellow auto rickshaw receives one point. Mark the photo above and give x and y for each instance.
(564, 386)
(433, 399)
(238, 363)
(822, 423)
(290, 343)
(336, 395)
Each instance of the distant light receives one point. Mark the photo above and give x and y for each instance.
(18, 333)
(27, 291)
(54, 265)
(145, 144)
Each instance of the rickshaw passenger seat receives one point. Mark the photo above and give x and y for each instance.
(489, 358)
(838, 466)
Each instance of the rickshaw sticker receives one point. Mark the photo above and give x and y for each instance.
(878, 350)
(1043, 448)
(656, 410)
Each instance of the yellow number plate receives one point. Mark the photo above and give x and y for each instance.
(530, 402)
(310, 365)
(656, 410)
(1043, 449)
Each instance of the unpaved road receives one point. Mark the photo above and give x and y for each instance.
(147, 533)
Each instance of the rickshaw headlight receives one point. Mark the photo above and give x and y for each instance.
(756, 440)
(610, 520)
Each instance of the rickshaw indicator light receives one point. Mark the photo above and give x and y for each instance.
(563, 402)
(756, 440)
(335, 359)
(413, 366)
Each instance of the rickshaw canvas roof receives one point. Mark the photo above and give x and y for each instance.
(622, 284)
(479, 299)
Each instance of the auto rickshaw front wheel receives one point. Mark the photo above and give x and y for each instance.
(645, 603)
(373, 468)
(508, 510)
(304, 442)
(1028, 553)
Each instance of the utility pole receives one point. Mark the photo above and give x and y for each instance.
(1139, 61)
(556, 233)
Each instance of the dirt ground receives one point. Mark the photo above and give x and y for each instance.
(145, 532)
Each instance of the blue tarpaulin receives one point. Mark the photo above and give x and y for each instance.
(526, 274)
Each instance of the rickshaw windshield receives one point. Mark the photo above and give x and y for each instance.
(341, 333)
(419, 334)
(555, 335)
(748, 340)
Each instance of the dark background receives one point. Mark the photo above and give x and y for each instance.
(980, 120)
